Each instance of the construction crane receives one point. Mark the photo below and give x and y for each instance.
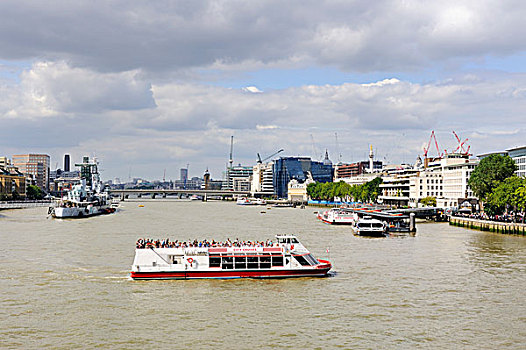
(315, 149)
(267, 158)
(460, 148)
(426, 149)
(338, 149)
(231, 160)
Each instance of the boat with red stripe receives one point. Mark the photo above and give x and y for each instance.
(285, 258)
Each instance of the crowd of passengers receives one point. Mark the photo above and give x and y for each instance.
(143, 243)
(509, 217)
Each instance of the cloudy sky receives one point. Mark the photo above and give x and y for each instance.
(152, 85)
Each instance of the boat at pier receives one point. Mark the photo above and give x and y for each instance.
(338, 216)
(88, 198)
(367, 226)
(180, 260)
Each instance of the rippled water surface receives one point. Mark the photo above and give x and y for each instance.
(64, 284)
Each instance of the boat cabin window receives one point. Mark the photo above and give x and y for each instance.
(288, 240)
(312, 260)
(265, 261)
(240, 262)
(252, 262)
(277, 260)
(247, 261)
(301, 259)
(227, 262)
(215, 260)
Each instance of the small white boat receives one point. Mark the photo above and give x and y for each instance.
(338, 216)
(367, 226)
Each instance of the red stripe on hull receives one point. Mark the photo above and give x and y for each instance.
(320, 271)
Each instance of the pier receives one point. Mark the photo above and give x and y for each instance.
(510, 228)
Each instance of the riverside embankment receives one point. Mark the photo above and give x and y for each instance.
(491, 226)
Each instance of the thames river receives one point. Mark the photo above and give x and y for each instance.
(65, 284)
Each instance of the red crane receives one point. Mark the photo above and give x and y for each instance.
(426, 149)
(460, 148)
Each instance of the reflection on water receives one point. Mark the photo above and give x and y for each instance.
(65, 284)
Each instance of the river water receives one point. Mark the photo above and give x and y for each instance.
(65, 284)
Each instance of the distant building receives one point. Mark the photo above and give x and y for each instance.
(237, 177)
(66, 163)
(184, 174)
(518, 154)
(4, 161)
(426, 183)
(262, 177)
(12, 182)
(456, 171)
(35, 166)
(350, 170)
(60, 181)
(193, 184)
(298, 168)
(297, 191)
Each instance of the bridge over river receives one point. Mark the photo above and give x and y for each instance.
(204, 194)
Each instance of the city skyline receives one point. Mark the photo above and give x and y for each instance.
(161, 85)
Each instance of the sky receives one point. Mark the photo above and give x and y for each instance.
(149, 87)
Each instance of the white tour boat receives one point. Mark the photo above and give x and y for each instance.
(367, 226)
(337, 216)
(177, 260)
(85, 199)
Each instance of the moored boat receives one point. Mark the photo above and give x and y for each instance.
(338, 216)
(180, 260)
(367, 226)
(88, 198)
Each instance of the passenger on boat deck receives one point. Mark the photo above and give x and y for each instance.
(143, 243)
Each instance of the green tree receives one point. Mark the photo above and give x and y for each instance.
(489, 173)
(429, 201)
(502, 197)
(34, 192)
(519, 199)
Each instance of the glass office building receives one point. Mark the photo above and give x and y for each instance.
(298, 168)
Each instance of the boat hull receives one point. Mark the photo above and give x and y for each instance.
(336, 221)
(76, 212)
(317, 271)
(228, 274)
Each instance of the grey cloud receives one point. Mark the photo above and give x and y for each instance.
(166, 36)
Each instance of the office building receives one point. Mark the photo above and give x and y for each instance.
(518, 154)
(66, 163)
(237, 177)
(299, 168)
(35, 166)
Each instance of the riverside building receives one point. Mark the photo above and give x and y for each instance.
(518, 154)
(12, 181)
(34, 165)
(299, 168)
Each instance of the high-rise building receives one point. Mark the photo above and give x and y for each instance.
(35, 166)
(66, 162)
(298, 168)
(184, 174)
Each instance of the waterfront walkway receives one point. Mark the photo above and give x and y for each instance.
(24, 204)
(488, 225)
